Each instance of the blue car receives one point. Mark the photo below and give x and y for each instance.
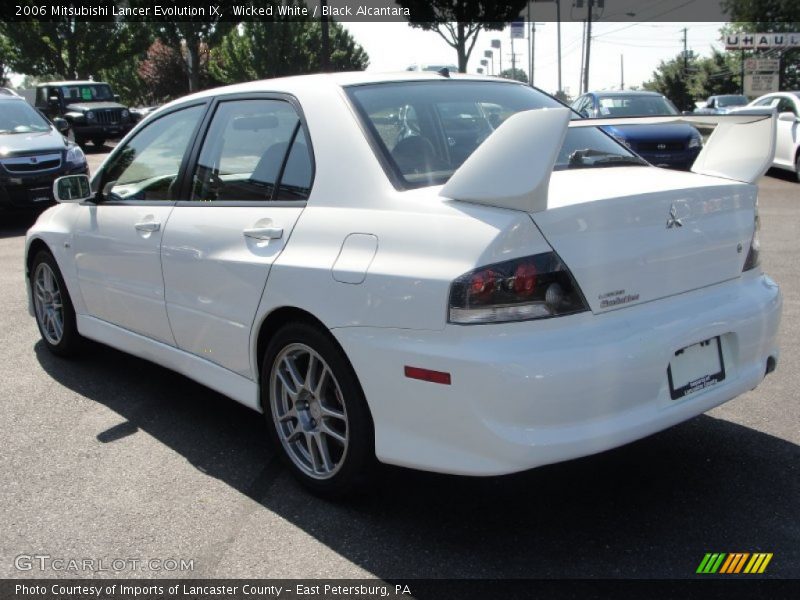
(673, 145)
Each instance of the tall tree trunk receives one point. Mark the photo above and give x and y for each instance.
(461, 43)
(193, 49)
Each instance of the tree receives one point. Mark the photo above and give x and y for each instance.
(769, 16)
(671, 78)
(196, 35)
(515, 73)
(456, 21)
(163, 73)
(5, 55)
(264, 49)
(70, 48)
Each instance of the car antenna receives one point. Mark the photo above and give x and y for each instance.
(444, 72)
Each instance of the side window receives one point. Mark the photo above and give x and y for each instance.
(41, 97)
(147, 167)
(255, 150)
(786, 105)
(766, 101)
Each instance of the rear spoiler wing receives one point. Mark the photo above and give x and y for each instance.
(512, 168)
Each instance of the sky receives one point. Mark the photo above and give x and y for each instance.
(395, 46)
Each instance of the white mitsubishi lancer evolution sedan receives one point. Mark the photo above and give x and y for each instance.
(455, 274)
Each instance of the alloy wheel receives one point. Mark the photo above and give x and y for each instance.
(48, 303)
(308, 410)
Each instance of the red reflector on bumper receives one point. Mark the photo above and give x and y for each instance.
(428, 375)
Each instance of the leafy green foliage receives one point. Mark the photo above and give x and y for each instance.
(454, 21)
(515, 73)
(70, 48)
(261, 49)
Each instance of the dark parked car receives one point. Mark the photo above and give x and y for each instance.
(91, 108)
(33, 153)
(673, 145)
(721, 105)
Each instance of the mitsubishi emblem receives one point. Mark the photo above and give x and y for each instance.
(34, 160)
(673, 220)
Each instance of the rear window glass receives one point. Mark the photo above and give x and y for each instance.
(426, 130)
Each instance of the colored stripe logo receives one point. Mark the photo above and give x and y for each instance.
(734, 563)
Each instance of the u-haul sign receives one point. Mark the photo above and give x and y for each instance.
(754, 41)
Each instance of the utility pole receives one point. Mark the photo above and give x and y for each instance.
(589, 7)
(621, 72)
(532, 33)
(583, 58)
(558, 21)
(513, 60)
(325, 61)
(685, 55)
(533, 52)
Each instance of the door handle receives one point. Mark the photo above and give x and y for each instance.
(264, 233)
(149, 226)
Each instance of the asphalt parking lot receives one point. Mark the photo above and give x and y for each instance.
(113, 457)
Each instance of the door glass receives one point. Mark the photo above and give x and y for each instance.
(147, 167)
(246, 152)
(786, 105)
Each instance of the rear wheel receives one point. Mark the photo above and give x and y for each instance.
(797, 166)
(55, 315)
(316, 412)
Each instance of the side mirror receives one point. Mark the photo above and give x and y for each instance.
(72, 188)
(585, 114)
(116, 97)
(61, 125)
(787, 116)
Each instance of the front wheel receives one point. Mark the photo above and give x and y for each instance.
(797, 166)
(55, 315)
(316, 411)
(99, 142)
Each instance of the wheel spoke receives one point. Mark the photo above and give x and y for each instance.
(291, 369)
(288, 415)
(288, 386)
(40, 291)
(321, 381)
(333, 413)
(58, 328)
(324, 454)
(313, 450)
(297, 434)
(312, 363)
(332, 433)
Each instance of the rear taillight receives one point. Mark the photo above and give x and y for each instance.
(754, 254)
(533, 287)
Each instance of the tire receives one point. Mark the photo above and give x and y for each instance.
(98, 142)
(797, 166)
(55, 314)
(318, 418)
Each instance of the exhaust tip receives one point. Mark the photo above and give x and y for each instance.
(771, 364)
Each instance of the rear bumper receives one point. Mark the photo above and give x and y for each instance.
(532, 393)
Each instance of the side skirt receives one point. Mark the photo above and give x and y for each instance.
(211, 375)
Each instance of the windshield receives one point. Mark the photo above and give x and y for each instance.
(635, 105)
(426, 130)
(723, 101)
(87, 93)
(20, 117)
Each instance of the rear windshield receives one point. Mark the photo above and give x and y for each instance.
(723, 101)
(87, 93)
(425, 130)
(635, 105)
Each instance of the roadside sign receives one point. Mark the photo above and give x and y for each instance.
(767, 65)
(753, 41)
(517, 29)
(756, 84)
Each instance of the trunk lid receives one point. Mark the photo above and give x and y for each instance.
(634, 234)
